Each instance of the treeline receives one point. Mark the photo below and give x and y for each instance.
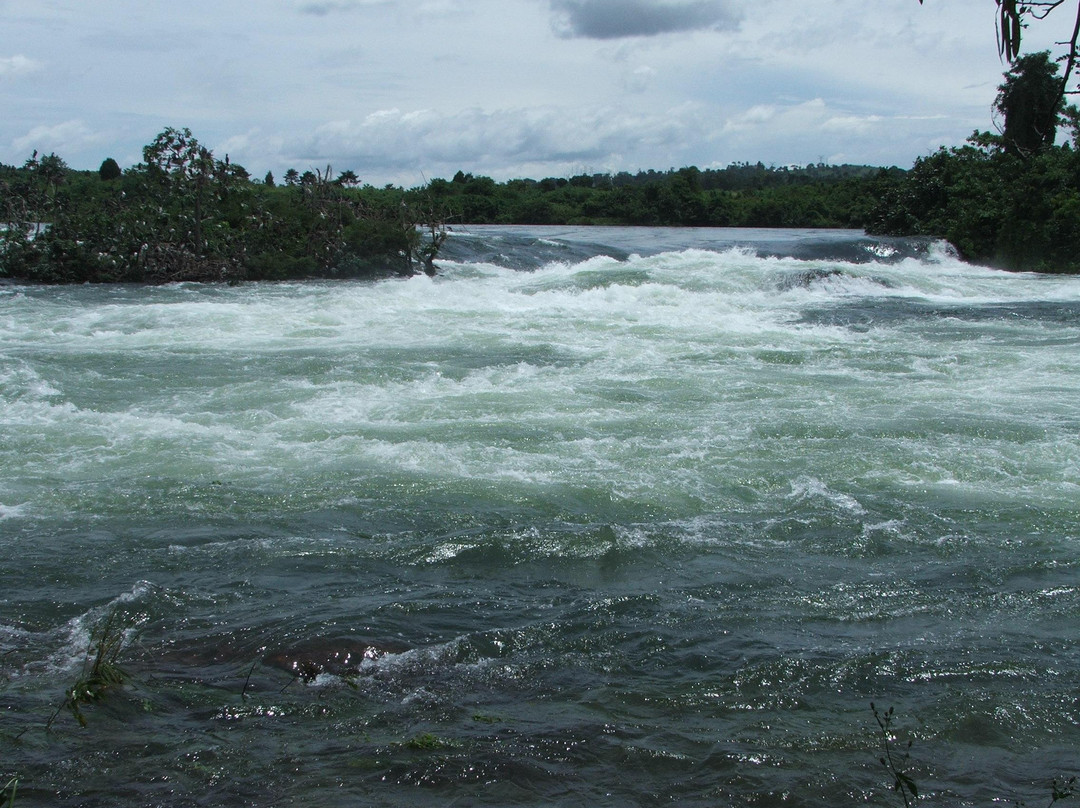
(184, 215)
(1009, 199)
(998, 209)
(741, 195)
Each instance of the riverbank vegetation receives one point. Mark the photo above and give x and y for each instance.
(1009, 199)
(184, 215)
(740, 195)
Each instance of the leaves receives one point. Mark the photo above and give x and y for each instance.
(1010, 28)
(903, 783)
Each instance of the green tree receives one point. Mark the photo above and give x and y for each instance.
(1031, 104)
(109, 170)
(348, 179)
(185, 169)
(52, 171)
(183, 215)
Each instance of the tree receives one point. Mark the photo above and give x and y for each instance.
(1031, 104)
(348, 179)
(185, 170)
(52, 170)
(109, 170)
(292, 177)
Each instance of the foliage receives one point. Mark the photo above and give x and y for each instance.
(109, 170)
(1010, 200)
(741, 195)
(348, 178)
(995, 207)
(101, 669)
(1031, 103)
(427, 742)
(1061, 790)
(184, 215)
(7, 793)
(903, 784)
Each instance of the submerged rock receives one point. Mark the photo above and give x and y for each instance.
(804, 279)
(337, 657)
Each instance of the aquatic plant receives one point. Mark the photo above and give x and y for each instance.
(101, 669)
(1061, 790)
(906, 787)
(426, 742)
(903, 784)
(7, 793)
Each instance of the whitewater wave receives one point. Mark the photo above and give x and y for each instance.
(535, 246)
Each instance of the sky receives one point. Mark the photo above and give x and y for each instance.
(403, 91)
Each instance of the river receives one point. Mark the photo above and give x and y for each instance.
(596, 516)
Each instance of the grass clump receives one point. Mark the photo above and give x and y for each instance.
(7, 793)
(426, 742)
(101, 670)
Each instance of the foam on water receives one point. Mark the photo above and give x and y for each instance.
(677, 497)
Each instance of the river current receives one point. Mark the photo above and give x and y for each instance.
(595, 517)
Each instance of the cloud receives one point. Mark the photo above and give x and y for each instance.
(64, 138)
(638, 80)
(615, 19)
(764, 119)
(11, 66)
(852, 124)
(501, 142)
(324, 7)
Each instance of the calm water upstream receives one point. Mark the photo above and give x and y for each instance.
(597, 517)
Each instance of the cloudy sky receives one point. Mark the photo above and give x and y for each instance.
(403, 90)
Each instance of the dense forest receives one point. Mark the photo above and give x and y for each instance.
(741, 195)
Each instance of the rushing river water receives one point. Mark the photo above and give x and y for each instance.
(596, 517)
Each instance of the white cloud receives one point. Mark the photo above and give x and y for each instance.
(18, 65)
(852, 124)
(62, 138)
(495, 142)
(639, 79)
(494, 87)
(321, 8)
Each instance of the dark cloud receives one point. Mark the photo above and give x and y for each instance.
(614, 19)
(324, 7)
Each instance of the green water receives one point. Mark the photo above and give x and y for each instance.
(649, 518)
